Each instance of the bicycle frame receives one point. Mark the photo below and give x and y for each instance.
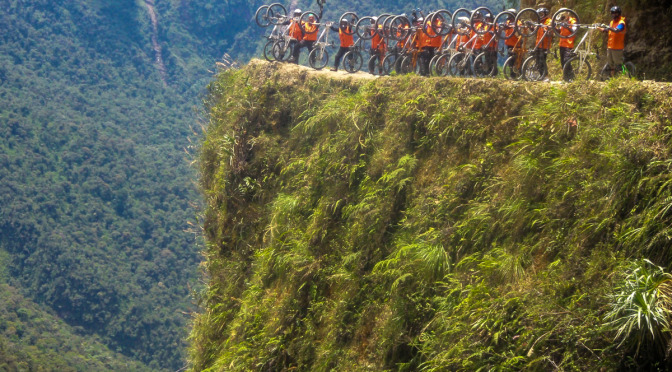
(587, 39)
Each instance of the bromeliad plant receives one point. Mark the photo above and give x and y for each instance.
(641, 308)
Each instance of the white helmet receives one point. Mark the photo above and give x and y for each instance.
(297, 12)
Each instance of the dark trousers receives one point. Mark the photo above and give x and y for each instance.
(542, 55)
(565, 54)
(339, 55)
(302, 44)
(491, 60)
(426, 57)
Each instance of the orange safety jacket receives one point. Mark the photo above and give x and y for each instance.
(431, 39)
(462, 41)
(511, 31)
(346, 40)
(295, 30)
(616, 40)
(478, 43)
(564, 31)
(546, 42)
(486, 39)
(377, 41)
(311, 31)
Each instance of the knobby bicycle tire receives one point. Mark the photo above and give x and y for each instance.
(318, 58)
(483, 11)
(352, 19)
(446, 22)
(480, 66)
(268, 51)
(509, 69)
(502, 21)
(576, 69)
(352, 61)
(460, 21)
(260, 16)
(389, 62)
(558, 22)
(275, 13)
(364, 27)
(527, 22)
(531, 70)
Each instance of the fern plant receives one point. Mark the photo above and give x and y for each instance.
(641, 308)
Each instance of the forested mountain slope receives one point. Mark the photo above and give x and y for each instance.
(95, 188)
(409, 223)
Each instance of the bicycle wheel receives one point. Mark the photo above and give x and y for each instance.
(509, 69)
(388, 63)
(630, 70)
(483, 13)
(432, 65)
(564, 20)
(504, 25)
(532, 70)
(375, 65)
(281, 50)
(460, 21)
(527, 22)
(605, 73)
(268, 51)
(576, 69)
(261, 18)
(365, 28)
(276, 13)
(352, 19)
(352, 61)
(308, 26)
(441, 65)
(318, 58)
(442, 22)
(459, 65)
(399, 28)
(481, 67)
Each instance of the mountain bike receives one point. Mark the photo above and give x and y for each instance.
(577, 67)
(275, 35)
(527, 23)
(352, 59)
(319, 56)
(628, 70)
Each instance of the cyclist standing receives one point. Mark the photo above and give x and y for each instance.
(296, 34)
(308, 38)
(378, 45)
(544, 39)
(616, 40)
(347, 40)
(566, 45)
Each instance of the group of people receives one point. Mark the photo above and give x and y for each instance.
(428, 43)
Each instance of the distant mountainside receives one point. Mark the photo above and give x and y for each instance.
(96, 191)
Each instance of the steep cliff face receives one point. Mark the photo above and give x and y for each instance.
(439, 224)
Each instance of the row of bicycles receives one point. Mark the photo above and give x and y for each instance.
(474, 43)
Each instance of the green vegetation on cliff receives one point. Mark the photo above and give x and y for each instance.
(433, 224)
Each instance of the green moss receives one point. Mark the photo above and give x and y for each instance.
(425, 224)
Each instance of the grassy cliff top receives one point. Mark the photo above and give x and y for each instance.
(411, 223)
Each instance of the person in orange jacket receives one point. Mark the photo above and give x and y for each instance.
(544, 39)
(378, 45)
(490, 45)
(294, 31)
(309, 37)
(616, 39)
(345, 32)
(566, 44)
(429, 42)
